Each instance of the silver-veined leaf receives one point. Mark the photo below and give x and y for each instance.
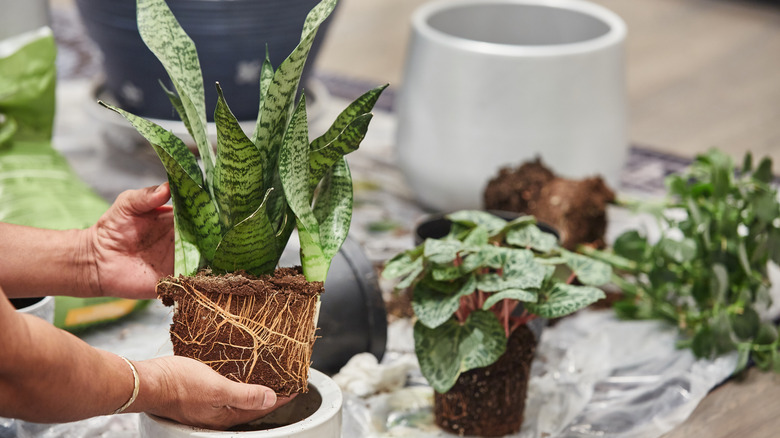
(450, 349)
(472, 218)
(441, 251)
(530, 236)
(510, 294)
(433, 307)
(565, 299)
(588, 271)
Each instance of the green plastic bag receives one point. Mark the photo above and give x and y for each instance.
(37, 185)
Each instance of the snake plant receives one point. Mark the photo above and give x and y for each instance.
(238, 212)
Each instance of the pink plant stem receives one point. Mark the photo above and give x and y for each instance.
(505, 319)
(571, 278)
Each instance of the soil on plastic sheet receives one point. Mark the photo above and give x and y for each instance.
(250, 329)
(575, 208)
(490, 401)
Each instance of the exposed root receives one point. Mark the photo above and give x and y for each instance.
(263, 338)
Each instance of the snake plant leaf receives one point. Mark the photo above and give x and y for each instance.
(186, 256)
(272, 122)
(434, 307)
(530, 236)
(510, 294)
(450, 349)
(164, 36)
(246, 246)
(8, 128)
(266, 76)
(333, 208)
(320, 160)
(178, 106)
(472, 218)
(313, 261)
(294, 171)
(160, 138)
(198, 217)
(238, 173)
(565, 299)
(361, 106)
(588, 271)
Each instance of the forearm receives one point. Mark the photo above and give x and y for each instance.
(38, 262)
(44, 368)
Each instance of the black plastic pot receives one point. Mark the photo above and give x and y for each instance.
(231, 38)
(353, 318)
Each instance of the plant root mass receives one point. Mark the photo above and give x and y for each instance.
(490, 401)
(258, 330)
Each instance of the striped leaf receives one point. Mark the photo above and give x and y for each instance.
(238, 174)
(313, 261)
(163, 35)
(197, 215)
(565, 299)
(294, 171)
(186, 256)
(361, 106)
(272, 122)
(348, 140)
(333, 208)
(266, 76)
(179, 107)
(247, 245)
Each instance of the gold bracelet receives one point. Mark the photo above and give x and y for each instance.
(136, 385)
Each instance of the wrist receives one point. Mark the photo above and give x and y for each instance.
(155, 393)
(87, 281)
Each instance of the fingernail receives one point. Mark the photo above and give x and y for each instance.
(159, 188)
(269, 400)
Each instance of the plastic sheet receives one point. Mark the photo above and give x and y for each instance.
(593, 376)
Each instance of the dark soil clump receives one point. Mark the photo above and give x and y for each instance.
(575, 208)
(490, 401)
(249, 329)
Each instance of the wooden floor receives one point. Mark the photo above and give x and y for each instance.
(701, 73)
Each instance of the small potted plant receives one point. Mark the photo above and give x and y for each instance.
(234, 310)
(474, 292)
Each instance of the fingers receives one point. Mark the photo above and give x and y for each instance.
(136, 202)
(250, 397)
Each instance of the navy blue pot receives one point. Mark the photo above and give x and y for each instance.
(230, 36)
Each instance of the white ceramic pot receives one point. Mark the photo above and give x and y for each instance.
(493, 83)
(43, 309)
(316, 414)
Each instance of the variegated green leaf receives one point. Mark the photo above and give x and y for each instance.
(179, 107)
(530, 236)
(402, 263)
(247, 246)
(433, 307)
(416, 269)
(361, 106)
(163, 35)
(450, 349)
(472, 218)
(441, 251)
(565, 299)
(476, 239)
(521, 264)
(238, 174)
(320, 160)
(313, 261)
(519, 222)
(294, 172)
(186, 257)
(333, 208)
(446, 273)
(510, 294)
(272, 122)
(160, 138)
(266, 76)
(588, 271)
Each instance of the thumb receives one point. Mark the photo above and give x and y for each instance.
(251, 397)
(144, 200)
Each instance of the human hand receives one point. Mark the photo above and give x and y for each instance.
(190, 392)
(131, 245)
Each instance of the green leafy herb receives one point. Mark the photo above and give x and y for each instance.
(708, 271)
(239, 212)
(468, 284)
